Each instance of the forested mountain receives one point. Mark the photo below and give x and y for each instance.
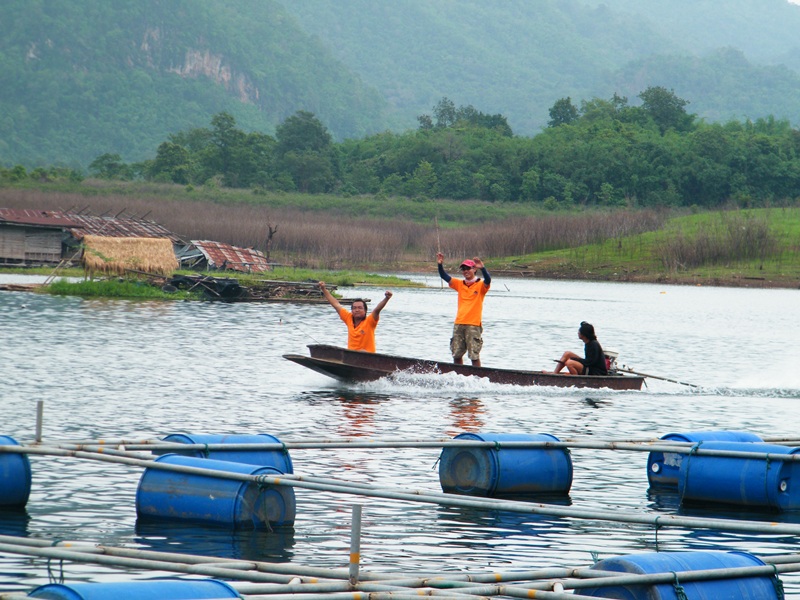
(79, 78)
(517, 57)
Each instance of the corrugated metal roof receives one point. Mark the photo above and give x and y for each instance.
(41, 218)
(225, 256)
(119, 227)
(79, 225)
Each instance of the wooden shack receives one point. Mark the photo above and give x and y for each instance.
(30, 237)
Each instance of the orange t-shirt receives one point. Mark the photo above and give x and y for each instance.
(361, 337)
(470, 301)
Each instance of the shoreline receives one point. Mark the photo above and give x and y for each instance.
(732, 281)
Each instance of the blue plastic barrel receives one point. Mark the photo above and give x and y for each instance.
(741, 588)
(505, 471)
(184, 496)
(279, 459)
(663, 467)
(751, 482)
(174, 589)
(15, 476)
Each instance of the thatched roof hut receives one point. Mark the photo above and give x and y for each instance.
(116, 255)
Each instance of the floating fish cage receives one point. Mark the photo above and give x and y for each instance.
(201, 492)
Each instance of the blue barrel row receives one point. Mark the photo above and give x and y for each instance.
(755, 483)
(185, 495)
(765, 587)
(485, 471)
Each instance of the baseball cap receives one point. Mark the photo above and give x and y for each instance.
(468, 263)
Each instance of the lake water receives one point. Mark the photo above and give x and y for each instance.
(122, 369)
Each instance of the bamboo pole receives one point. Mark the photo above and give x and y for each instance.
(39, 419)
(355, 544)
(320, 443)
(314, 573)
(592, 578)
(661, 446)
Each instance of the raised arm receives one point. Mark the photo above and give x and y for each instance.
(487, 279)
(329, 297)
(442, 273)
(376, 312)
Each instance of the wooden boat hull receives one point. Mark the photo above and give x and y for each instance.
(352, 365)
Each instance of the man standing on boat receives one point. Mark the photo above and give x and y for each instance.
(360, 325)
(468, 328)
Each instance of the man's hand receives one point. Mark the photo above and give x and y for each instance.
(478, 263)
(387, 294)
(439, 257)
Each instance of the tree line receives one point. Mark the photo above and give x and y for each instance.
(601, 153)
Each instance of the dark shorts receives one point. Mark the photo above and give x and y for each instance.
(466, 339)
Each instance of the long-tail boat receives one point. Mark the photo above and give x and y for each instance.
(352, 365)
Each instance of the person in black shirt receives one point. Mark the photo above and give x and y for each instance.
(594, 361)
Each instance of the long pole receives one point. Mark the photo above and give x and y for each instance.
(626, 369)
(675, 447)
(438, 244)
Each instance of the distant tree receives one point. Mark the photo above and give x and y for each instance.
(172, 162)
(425, 122)
(18, 173)
(530, 184)
(445, 113)
(666, 109)
(563, 112)
(302, 132)
(110, 166)
(225, 149)
(423, 180)
(472, 116)
(311, 172)
(305, 151)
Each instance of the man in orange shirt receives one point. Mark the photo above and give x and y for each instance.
(468, 329)
(360, 325)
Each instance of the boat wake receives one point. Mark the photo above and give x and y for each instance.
(401, 381)
(782, 393)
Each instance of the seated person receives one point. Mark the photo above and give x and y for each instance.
(594, 361)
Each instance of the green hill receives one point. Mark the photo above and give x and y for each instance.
(78, 79)
(82, 78)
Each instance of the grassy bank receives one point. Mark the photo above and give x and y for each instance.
(139, 287)
(752, 248)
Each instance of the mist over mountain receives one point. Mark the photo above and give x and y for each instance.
(82, 78)
(518, 57)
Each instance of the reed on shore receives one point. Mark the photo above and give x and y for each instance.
(371, 233)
